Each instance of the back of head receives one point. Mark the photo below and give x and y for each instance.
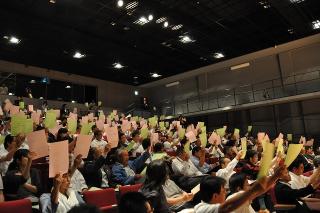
(156, 174)
(180, 151)
(146, 143)
(296, 163)
(84, 208)
(236, 182)
(196, 149)
(209, 186)
(133, 202)
(17, 157)
(7, 140)
(250, 154)
(316, 161)
(158, 147)
(135, 133)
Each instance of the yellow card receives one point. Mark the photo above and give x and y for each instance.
(268, 154)
(292, 153)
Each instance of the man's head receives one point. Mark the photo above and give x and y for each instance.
(252, 156)
(123, 157)
(158, 147)
(238, 182)
(123, 138)
(196, 151)
(297, 166)
(136, 136)
(223, 161)
(98, 135)
(146, 143)
(286, 176)
(212, 190)
(134, 202)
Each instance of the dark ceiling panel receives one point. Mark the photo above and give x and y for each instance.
(51, 33)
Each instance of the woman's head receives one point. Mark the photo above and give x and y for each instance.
(238, 182)
(20, 159)
(134, 202)
(252, 156)
(156, 173)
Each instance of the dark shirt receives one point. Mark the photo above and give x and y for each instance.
(156, 198)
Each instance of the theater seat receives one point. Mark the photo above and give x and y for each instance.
(279, 207)
(171, 153)
(129, 188)
(105, 199)
(23, 205)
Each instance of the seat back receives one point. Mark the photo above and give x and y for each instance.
(23, 205)
(129, 188)
(101, 198)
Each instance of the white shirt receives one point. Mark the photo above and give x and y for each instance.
(298, 181)
(78, 182)
(186, 168)
(137, 148)
(66, 203)
(4, 165)
(227, 172)
(98, 144)
(1, 183)
(206, 208)
(245, 208)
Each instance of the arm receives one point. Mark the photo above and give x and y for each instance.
(9, 156)
(76, 163)
(120, 176)
(139, 162)
(1, 196)
(26, 172)
(185, 197)
(202, 157)
(55, 191)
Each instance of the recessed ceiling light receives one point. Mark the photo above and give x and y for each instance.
(32, 81)
(132, 5)
(316, 24)
(296, 1)
(150, 17)
(141, 21)
(160, 20)
(73, 101)
(177, 27)
(218, 55)
(265, 4)
(291, 31)
(165, 24)
(10, 93)
(135, 77)
(186, 39)
(136, 92)
(117, 66)
(68, 87)
(40, 98)
(12, 39)
(52, 1)
(113, 23)
(78, 55)
(120, 3)
(155, 75)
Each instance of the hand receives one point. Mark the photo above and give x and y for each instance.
(77, 161)
(137, 176)
(239, 154)
(187, 196)
(57, 181)
(31, 155)
(280, 171)
(107, 149)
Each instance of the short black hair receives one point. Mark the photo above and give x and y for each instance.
(133, 202)
(250, 153)
(316, 161)
(158, 147)
(8, 140)
(296, 163)
(237, 180)
(210, 185)
(180, 150)
(84, 208)
(196, 149)
(146, 143)
(135, 133)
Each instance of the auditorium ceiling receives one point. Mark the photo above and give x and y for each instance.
(136, 42)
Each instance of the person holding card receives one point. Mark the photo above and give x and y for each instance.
(21, 181)
(7, 150)
(124, 170)
(98, 141)
(62, 197)
(137, 146)
(213, 193)
(251, 168)
(77, 182)
(198, 159)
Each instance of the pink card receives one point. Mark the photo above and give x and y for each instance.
(35, 117)
(90, 117)
(112, 136)
(84, 119)
(214, 139)
(73, 116)
(261, 136)
(115, 112)
(14, 110)
(58, 158)
(30, 108)
(37, 142)
(191, 136)
(100, 124)
(154, 138)
(83, 145)
(126, 125)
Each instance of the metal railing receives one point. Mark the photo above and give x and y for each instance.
(296, 84)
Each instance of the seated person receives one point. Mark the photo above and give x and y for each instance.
(62, 197)
(251, 168)
(298, 180)
(238, 183)
(98, 141)
(213, 193)
(227, 167)
(285, 194)
(95, 170)
(176, 197)
(136, 145)
(124, 171)
(134, 202)
(198, 159)
(21, 181)
(7, 150)
(77, 182)
(182, 165)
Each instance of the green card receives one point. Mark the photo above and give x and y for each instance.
(266, 160)
(21, 105)
(2, 139)
(249, 128)
(187, 147)
(86, 128)
(144, 133)
(161, 125)
(72, 125)
(289, 137)
(28, 126)
(130, 146)
(18, 123)
(201, 124)
(221, 132)
(167, 124)
(204, 130)
(153, 121)
(204, 139)
(50, 120)
(181, 133)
